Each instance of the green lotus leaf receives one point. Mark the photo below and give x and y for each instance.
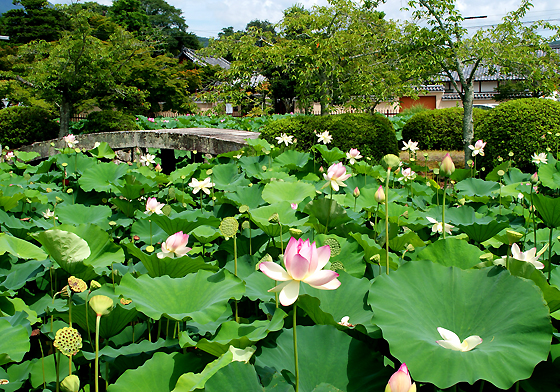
(401, 241)
(327, 212)
(185, 224)
(227, 176)
(14, 343)
(205, 234)
(76, 214)
(202, 296)
(253, 166)
(191, 381)
(130, 350)
(292, 159)
(452, 252)
(528, 271)
(250, 196)
(46, 367)
(66, 248)
(23, 272)
(135, 185)
(241, 335)
(143, 229)
(20, 312)
(10, 201)
(288, 191)
(346, 363)
(260, 145)
(481, 231)
(493, 175)
(77, 163)
(348, 255)
(173, 267)
(103, 251)
(329, 307)
(103, 150)
(236, 376)
(20, 248)
(549, 174)
(505, 311)
(103, 177)
(186, 171)
(548, 208)
(158, 374)
(330, 155)
(287, 217)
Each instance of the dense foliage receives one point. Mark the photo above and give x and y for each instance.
(440, 129)
(373, 135)
(523, 127)
(167, 290)
(21, 125)
(108, 121)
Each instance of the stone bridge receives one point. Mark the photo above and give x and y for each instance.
(204, 140)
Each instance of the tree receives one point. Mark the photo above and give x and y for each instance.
(79, 67)
(36, 21)
(129, 14)
(512, 47)
(336, 55)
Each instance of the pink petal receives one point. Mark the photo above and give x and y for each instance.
(332, 285)
(274, 271)
(321, 278)
(298, 267)
(291, 249)
(323, 256)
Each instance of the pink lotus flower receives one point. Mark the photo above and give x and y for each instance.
(304, 263)
(335, 175)
(70, 140)
(294, 206)
(151, 119)
(153, 206)
(447, 166)
(400, 381)
(408, 174)
(175, 245)
(353, 155)
(10, 155)
(478, 148)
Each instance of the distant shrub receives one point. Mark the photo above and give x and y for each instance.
(523, 127)
(109, 121)
(373, 135)
(440, 129)
(21, 125)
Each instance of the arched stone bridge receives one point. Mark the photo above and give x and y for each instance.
(205, 140)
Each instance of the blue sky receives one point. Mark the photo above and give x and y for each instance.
(206, 18)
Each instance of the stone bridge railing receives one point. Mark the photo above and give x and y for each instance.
(204, 140)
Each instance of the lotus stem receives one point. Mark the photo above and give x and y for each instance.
(443, 208)
(328, 215)
(295, 348)
(97, 322)
(42, 362)
(56, 358)
(387, 217)
(532, 214)
(235, 270)
(149, 220)
(481, 386)
(549, 253)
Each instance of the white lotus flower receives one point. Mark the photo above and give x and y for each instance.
(201, 185)
(478, 148)
(145, 160)
(438, 227)
(324, 137)
(539, 158)
(411, 146)
(283, 138)
(530, 256)
(452, 341)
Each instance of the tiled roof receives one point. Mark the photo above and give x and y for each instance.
(195, 58)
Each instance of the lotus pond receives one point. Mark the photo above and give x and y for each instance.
(118, 277)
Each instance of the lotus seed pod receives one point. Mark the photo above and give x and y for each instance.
(334, 245)
(513, 236)
(125, 301)
(337, 265)
(274, 218)
(209, 171)
(68, 341)
(296, 233)
(65, 292)
(229, 227)
(71, 383)
(244, 208)
(77, 285)
(101, 304)
(390, 161)
(94, 284)
(246, 225)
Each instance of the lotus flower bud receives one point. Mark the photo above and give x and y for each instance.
(379, 195)
(447, 166)
(356, 192)
(70, 383)
(534, 178)
(400, 381)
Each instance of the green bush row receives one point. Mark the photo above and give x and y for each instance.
(372, 135)
(20, 125)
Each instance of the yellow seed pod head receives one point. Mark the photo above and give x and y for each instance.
(513, 236)
(244, 208)
(94, 284)
(274, 218)
(68, 341)
(77, 285)
(101, 304)
(337, 265)
(296, 233)
(229, 227)
(70, 383)
(246, 225)
(390, 161)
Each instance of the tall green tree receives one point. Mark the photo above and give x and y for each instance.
(36, 21)
(511, 47)
(130, 15)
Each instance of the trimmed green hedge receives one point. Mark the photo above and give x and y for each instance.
(440, 129)
(373, 135)
(109, 121)
(522, 126)
(21, 125)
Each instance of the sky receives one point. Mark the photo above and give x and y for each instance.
(206, 18)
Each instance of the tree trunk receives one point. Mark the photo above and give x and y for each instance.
(468, 128)
(65, 113)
